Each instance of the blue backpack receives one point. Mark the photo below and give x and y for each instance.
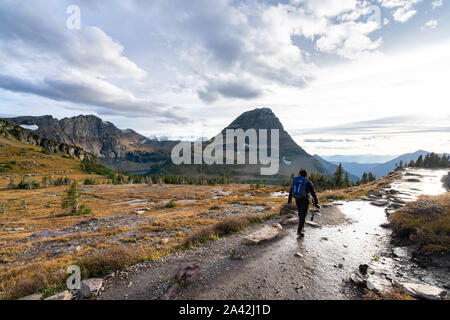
(299, 188)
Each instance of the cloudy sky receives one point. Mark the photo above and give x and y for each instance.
(343, 76)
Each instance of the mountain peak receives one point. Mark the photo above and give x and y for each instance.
(261, 118)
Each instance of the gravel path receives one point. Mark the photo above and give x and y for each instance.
(268, 271)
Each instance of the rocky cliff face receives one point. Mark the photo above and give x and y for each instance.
(8, 130)
(123, 150)
(88, 132)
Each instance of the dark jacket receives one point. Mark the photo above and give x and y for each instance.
(309, 190)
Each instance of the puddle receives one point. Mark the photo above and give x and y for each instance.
(279, 194)
(131, 202)
(426, 182)
(334, 253)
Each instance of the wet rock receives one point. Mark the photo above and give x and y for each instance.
(313, 224)
(65, 295)
(363, 268)
(289, 222)
(380, 203)
(266, 233)
(90, 287)
(423, 291)
(375, 194)
(358, 279)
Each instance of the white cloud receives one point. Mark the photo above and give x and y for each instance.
(431, 24)
(403, 10)
(437, 3)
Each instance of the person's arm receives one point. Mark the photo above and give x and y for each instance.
(313, 192)
(290, 195)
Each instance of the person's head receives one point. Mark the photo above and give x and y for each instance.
(303, 173)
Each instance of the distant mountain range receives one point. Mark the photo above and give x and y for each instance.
(360, 158)
(380, 169)
(331, 167)
(127, 150)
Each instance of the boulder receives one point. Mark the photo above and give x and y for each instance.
(90, 287)
(313, 224)
(289, 222)
(424, 291)
(65, 295)
(187, 272)
(36, 296)
(266, 233)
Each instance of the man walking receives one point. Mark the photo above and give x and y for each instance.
(300, 190)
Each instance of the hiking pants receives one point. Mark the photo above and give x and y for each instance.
(302, 206)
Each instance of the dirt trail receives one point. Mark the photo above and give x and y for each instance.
(351, 235)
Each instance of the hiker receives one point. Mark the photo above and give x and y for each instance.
(300, 190)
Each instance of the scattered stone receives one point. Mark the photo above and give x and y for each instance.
(139, 212)
(187, 272)
(90, 287)
(324, 239)
(164, 241)
(36, 296)
(298, 255)
(386, 225)
(266, 233)
(14, 229)
(423, 291)
(65, 295)
(239, 252)
(340, 265)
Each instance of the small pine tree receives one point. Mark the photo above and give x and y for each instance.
(347, 180)
(337, 177)
(72, 201)
(364, 178)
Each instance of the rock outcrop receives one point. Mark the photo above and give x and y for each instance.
(9, 130)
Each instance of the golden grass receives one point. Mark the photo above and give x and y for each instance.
(425, 222)
(223, 228)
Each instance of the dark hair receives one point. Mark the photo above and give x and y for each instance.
(303, 173)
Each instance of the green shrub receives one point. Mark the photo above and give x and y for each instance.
(171, 204)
